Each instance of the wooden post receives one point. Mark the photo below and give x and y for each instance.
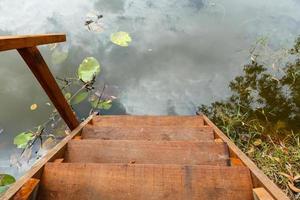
(39, 68)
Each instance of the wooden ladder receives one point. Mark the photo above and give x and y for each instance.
(134, 157)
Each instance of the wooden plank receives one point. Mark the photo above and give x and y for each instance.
(218, 140)
(59, 160)
(148, 182)
(51, 155)
(148, 133)
(144, 121)
(28, 190)
(259, 179)
(39, 68)
(236, 162)
(24, 41)
(147, 152)
(78, 137)
(261, 194)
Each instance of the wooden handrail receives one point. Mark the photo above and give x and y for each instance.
(24, 41)
(26, 46)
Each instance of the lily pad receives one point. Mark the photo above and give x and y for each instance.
(22, 139)
(121, 38)
(79, 98)
(3, 189)
(6, 179)
(89, 68)
(103, 104)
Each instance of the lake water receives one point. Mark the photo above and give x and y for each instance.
(183, 52)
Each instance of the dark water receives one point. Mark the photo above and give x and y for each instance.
(183, 53)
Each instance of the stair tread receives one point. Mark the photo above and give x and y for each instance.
(121, 181)
(147, 152)
(148, 133)
(131, 120)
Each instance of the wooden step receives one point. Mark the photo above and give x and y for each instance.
(148, 133)
(147, 152)
(68, 181)
(143, 121)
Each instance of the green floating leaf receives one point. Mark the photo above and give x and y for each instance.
(58, 57)
(121, 38)
(22, 139)
(89, 68)
(6, 179)
(68, 95)
(80, 97)
(103, 104)
(3, 189)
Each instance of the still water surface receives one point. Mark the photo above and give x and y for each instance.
(183, 53)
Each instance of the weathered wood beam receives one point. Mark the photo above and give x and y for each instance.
(59, 160)
(261, 194)
(28, 190)
(24, 41)
(39, 68)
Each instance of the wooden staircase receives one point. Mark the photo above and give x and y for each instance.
(133, 157)
(138, 157)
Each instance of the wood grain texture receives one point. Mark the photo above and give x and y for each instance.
(24, 41)
(148, 182)
(259, 179)
(39, 68)
(28, 190)
(59, 160)
(55, 153)
(261, 194)
(236, 162)
(147, 152)
(148, 133)
(144, 121)
(78, 137)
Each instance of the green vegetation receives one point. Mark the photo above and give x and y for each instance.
(85, 79)
(76, 90)
(88, 69)
(5, 181)
(121, 38)
(262, 116)
(23, 139)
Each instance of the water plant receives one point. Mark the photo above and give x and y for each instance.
(35, 142)
(121, 38)
(5, 181)
(262, 115)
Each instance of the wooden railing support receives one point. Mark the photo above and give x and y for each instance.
(27, 48)
(39, 68)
